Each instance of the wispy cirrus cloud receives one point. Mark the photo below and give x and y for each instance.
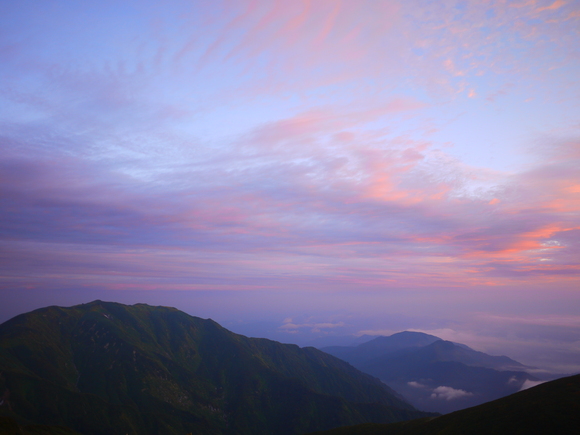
(371, 198)
(371, 148)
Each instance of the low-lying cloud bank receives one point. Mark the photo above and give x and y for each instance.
(449, 393)
(529, 384)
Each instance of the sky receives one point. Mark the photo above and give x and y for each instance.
(299, 169)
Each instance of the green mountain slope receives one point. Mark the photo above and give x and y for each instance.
(106, 368)
(550, 408)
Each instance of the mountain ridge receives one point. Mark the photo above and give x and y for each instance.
(434, 374)
(107, 368)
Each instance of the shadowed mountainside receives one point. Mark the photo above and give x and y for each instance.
(9, 426)
(550, 408)
(105, 368)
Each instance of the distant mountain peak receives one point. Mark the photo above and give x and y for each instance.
(400, 340)
(413, 334)
(417, 365)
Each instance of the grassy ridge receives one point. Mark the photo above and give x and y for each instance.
(105, 368)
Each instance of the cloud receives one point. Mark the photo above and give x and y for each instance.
(291, 327)
(449, 393)
(530, 337)
(353, 201)
(415, 384)
(556, 5)
(529, 384)
(298, 148)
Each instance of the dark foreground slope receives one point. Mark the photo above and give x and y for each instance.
(550, 408)
(106, 368)
(9, 426)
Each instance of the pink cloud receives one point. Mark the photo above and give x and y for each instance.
(556, 5)
(361, 207)
(343, 191)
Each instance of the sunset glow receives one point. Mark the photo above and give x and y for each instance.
(411, 165)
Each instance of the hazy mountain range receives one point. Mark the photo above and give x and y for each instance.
(434, 374)
(105, 368)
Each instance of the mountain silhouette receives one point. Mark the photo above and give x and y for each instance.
(433, 374)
